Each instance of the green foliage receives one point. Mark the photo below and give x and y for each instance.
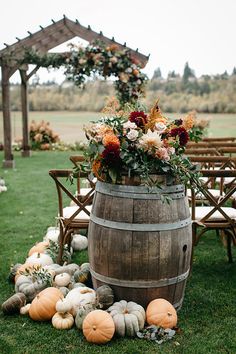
(156, 334)
(38, 274)
(53, 250)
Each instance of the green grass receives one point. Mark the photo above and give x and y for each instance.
(207, 319)
(69, 125)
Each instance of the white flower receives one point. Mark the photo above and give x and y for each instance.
(171, 150)
(129, 125)
(160, 127)
(150, 140)
(132, 135)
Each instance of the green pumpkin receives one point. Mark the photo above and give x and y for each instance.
(81, 314)
(104, 297)
(83, 276)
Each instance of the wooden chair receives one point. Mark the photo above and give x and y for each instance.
(201, 152)
(86, 185)
(75, 217)
(218, 214)
(220, 139)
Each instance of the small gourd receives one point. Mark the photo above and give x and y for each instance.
(79, 242)
(83, 276)
(25, 309)
(82, 313)
(62, 320)
(98, 327)
(161, 312)
(62, 279)
(104, 297)
(70, 269)
(14, 303)
(64, 290)
(52, 234)
(13, 271)
(78, 285)
(128, 317)
(63, 306)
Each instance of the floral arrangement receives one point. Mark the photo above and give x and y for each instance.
(107, 61)
(199, 128)
(41, 135)
(135, 143)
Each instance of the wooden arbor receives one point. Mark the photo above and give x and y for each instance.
(42, 41)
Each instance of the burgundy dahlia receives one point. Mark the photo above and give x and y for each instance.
(111, 155)
(181, 133)
(139, 118)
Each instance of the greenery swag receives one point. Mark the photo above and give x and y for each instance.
(82, 62)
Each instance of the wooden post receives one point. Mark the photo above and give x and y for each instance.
(8, 161)
(24, 105)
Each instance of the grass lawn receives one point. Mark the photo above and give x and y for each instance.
(69, 125)
(207, 319)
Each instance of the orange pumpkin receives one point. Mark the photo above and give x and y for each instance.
(98, 327)
(43, 307)
(39, 247)
(161, 313)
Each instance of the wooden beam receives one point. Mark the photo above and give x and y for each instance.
(19, 47)
(91, 35)
(33, 72)
(25, 110)
(8, 161)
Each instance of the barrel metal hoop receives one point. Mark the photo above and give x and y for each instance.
(147, 196)
(126, 191)
(177, 305)
(140, 227)
(140, 283)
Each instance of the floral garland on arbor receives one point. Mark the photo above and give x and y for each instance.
(82, 62)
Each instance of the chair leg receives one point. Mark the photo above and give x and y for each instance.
(228, 244)
(60, 248)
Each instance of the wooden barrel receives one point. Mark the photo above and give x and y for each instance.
(139, 244)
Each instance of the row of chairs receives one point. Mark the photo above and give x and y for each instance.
(214, 207)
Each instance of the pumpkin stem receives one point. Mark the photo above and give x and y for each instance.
(94, 328)
(169, 314)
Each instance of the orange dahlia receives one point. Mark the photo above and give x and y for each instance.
(96, 167)
(111, 139)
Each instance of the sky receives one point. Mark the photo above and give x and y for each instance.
(173, 32)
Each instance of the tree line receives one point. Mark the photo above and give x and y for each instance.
(177, 93)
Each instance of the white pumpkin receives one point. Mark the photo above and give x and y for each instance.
(63, 305)
(39, 258)
(52, 234)
(79, 242)
(128, 317)
(79, 297)
(62, 279)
